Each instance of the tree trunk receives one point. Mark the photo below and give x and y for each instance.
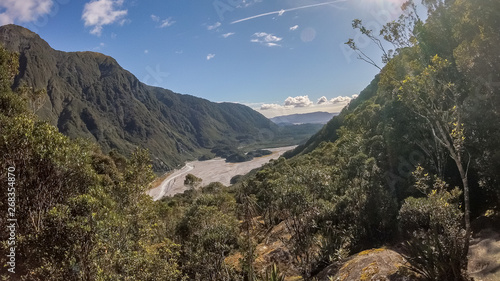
(465, 182)
(456, 155)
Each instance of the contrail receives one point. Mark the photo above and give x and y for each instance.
(280, 12)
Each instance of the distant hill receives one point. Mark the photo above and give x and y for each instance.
(89, 95)
(305, 118)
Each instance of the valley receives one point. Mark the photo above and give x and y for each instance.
(402, 182)
(213, 170)
(108, 105)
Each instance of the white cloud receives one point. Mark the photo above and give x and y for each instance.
(266, 39)
(302, 104)
(247, 3)
(98, 13)
(210, 56)
(163, 23)
(166, 22)
(290, 102)
(292, 28)
(23, 10)
(322, 100)
(225, 35)
(101, 45)
(340, 99)
(146, 51)
(155, 18)
(336, 100)
(215, 26)
(268, 106)
(299, 101)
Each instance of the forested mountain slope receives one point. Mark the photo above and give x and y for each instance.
(415, 157)
(329, 132)
(413, 166)
(89, 95)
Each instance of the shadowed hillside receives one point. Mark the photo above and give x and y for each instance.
(90, 95)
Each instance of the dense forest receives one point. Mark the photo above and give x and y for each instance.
(411, 164)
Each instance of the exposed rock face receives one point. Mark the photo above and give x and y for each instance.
(375, 264)
(484, 255)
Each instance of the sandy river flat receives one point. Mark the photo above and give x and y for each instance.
(214, 170)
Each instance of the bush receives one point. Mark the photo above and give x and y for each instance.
(238, 157)
(192, 181)
(236, 179)
(260, 153)
(433, 225)
(205, 157)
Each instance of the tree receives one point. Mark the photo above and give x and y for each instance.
(477, 59)
(192, 181)
(80, 217)
(432, 224)
(208, 235)
(248, 205)
(9, 64)
(11, 104)
(431, 85)
(436, 98)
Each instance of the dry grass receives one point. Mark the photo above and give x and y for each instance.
(371, 251)
(160, 179)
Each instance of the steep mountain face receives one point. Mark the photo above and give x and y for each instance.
(89, 95)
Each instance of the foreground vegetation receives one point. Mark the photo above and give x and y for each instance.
(414, 159)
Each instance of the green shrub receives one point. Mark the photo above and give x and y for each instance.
(433, 226)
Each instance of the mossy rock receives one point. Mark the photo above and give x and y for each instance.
(374, 264)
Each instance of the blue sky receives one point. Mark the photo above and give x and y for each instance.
(279, 57)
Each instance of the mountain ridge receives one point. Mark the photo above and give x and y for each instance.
(319, 117)
(89, 95)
